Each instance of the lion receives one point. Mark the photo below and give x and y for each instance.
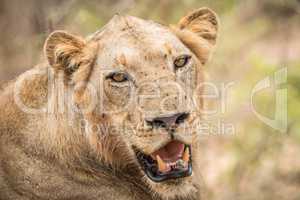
(110, 116)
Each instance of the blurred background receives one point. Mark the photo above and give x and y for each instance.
(258, 38)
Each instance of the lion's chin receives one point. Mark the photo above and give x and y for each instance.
(174, 189)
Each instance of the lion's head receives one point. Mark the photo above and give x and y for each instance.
(136, 85)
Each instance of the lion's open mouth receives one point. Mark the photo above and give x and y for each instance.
(172, 161)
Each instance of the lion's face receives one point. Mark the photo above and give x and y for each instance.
(148, 80)
(145, 79)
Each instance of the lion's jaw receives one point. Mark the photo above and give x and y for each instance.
(185, 186)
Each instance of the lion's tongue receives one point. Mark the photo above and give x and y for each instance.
(171, 152)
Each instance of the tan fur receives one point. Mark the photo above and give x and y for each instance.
(58, 142)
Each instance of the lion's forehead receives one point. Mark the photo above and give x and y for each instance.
(138, 37)
(140, 46)
(135, 28)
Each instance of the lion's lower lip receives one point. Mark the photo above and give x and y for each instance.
(159, 169)
(170, 175)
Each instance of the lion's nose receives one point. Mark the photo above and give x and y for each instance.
(168, 121)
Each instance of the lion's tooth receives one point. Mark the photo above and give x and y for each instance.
(186, 155)
(161, 164)
(180, 164)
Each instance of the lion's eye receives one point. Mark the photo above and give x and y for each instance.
(181, 61)
(118, 77)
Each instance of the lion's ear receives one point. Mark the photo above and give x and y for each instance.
(67, 53)
(198, 31)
